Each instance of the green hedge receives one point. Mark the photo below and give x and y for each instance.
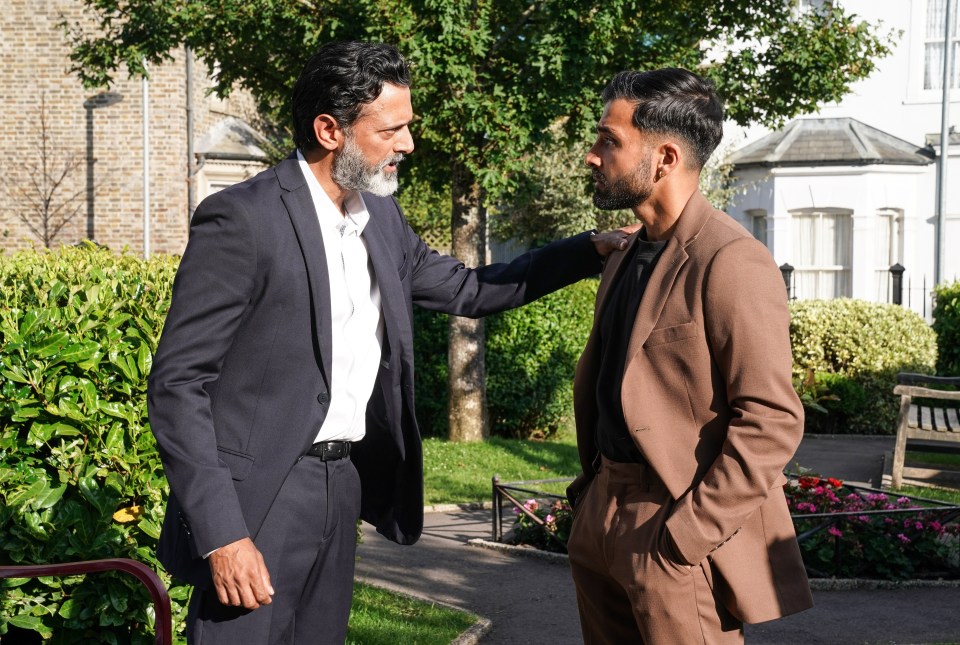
(80, 478)
(946, 323)
(846, 355)
(531, 354)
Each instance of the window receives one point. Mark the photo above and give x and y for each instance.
(933, 45)
(889, 250)
(757, 219)
(823, 246)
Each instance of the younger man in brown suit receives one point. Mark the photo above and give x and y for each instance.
(686, 415)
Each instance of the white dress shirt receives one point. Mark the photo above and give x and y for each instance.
(356, 314)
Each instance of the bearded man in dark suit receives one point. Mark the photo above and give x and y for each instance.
(281, 395)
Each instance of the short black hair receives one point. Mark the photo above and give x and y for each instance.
(339, 80)
(673, 101)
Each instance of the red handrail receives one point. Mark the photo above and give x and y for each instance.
(143, 573)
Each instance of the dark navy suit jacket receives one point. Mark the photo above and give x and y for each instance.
(241, 380)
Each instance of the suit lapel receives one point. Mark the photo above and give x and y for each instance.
(299, 204)
(396, 321)
(692, 220)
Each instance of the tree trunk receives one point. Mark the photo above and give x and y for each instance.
(467, 411)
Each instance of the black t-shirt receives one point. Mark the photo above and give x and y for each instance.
(616, 325)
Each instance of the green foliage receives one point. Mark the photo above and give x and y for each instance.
(430, 376)
(846, 355)
(554, 199)
(531, 354)
(946, 323)
(80, 477)
(551, 528)
(490, 77)
(869, 543)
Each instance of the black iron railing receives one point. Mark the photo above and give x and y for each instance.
(506, 495)
(506, 491)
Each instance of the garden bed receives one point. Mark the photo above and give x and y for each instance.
(844, 531)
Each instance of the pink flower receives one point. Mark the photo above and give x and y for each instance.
(903, 538)
(549, 519)
(833, 530)
(531, 505)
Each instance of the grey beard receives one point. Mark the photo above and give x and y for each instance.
(350, 171)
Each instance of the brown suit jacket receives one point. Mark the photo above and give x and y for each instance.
(708, 399)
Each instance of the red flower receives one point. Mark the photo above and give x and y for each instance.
(835, 483)
(809, 482)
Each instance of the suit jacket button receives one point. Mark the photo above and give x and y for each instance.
(323, 398)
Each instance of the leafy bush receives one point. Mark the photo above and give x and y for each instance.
(875, 537)
(550, 531)
(846, 355)
(80, 477)
(889, 546)
(531, 355)
(946, 323)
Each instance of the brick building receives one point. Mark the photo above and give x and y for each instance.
(94, 141)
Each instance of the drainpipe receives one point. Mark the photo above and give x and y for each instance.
(191, 170)
(146, 164)
(938, 250)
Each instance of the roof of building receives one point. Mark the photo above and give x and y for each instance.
(232, 138)
(830, 142)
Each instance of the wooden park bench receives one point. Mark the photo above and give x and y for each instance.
(926, 413)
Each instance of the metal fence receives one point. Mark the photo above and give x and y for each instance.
(505, 495)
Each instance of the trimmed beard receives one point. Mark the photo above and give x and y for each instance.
(352, 172)
(625, 192)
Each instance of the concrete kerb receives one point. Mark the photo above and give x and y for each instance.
(817, 584)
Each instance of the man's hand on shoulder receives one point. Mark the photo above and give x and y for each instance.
(240, 575)
(609, 241)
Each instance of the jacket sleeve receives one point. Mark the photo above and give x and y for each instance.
(213, 286)
(747, 327)
(443, 283)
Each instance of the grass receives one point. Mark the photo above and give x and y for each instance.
(920, 458)
(461, 472)
(380, 617)
(951, 495)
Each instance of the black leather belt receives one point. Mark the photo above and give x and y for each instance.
(329, 450)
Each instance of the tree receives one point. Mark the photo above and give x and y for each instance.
(41, 194)
(490, 76)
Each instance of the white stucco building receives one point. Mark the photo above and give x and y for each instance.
(844, 194)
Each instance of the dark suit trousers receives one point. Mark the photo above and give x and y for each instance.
(308, 542)
(628, 591)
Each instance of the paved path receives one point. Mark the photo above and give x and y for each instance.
(531, 601)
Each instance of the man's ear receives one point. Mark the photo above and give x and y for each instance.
(671, 157)
(328, 132)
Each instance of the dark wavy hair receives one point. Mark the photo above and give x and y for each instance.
(673, 101)
(339, 80)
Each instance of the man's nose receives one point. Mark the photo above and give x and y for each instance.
(405, 142)
(591, 159)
